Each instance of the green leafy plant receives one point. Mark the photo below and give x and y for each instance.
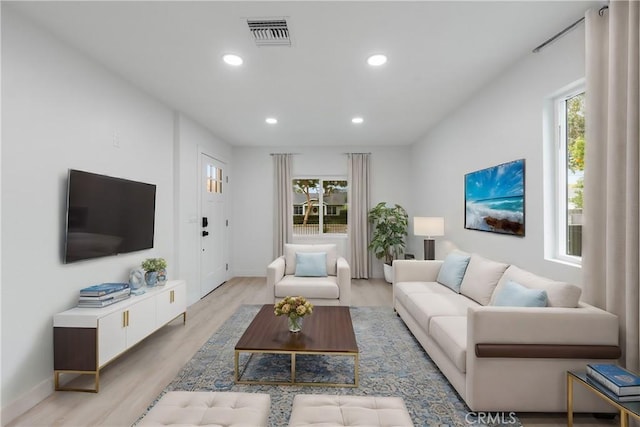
(154, 264)
(390, 225)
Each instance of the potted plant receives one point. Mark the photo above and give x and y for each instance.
(155, 271)
(390, 225)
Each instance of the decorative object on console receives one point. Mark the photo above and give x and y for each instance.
(136, 281)
(428, 227)
(153, 267)
(494, 199)
(104, 294)
(295, 308)
(390, 225)
(162, 276)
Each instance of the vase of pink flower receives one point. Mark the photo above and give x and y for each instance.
(295, 308)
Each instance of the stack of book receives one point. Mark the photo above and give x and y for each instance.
(104, 294)
(615, 381)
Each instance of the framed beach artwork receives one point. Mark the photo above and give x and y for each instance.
(494, 199)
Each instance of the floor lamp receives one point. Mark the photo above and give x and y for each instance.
(428, 227)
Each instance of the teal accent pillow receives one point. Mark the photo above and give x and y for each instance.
(452, 270)
(514, 294)
(311, 264)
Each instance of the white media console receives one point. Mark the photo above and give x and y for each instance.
(87, 339)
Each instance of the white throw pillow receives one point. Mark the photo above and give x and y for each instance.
(481, 278)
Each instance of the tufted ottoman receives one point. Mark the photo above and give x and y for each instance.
(329, 410)
(224, 409)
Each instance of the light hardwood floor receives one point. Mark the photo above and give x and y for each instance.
(129, 384)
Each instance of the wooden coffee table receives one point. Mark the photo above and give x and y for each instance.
(328, 331)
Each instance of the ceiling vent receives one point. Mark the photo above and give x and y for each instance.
(269, 32)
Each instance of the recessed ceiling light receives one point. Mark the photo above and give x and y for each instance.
(376, 60)
(271, 120)
(231, 59)
(357, 120)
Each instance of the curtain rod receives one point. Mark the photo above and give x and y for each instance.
(275, 154)
(566, 30)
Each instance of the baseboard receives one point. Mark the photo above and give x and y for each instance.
(249, 273)
(27, 401)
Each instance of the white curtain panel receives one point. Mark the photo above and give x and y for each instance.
(359, 199)
(611, 250)
(283, 203)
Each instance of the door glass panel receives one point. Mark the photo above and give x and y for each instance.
(214, 179)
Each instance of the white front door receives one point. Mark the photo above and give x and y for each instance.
(213, 265)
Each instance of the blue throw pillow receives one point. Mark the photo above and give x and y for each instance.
(452, 270)
(311, 264)
(514, 294)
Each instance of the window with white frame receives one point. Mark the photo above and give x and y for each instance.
(570, 145)
(319, 206)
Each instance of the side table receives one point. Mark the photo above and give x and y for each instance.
(580, 377)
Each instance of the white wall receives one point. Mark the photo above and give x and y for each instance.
(191, 140)
(62, 110)
(503, 122)
(252, 209)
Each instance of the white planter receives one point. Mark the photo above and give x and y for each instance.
(388, 273)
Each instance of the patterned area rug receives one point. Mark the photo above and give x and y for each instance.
(392, 363)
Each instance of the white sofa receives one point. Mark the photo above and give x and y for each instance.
(332, 289)
(501, 358)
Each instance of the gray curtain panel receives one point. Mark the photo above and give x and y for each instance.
(359, 199)
(282, 203)
(611, 251)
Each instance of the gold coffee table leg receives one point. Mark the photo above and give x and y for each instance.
(235, 364)
(293, 368)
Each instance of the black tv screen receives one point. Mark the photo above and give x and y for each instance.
(107, 216)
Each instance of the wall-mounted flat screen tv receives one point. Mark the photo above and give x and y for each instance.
(107, 216)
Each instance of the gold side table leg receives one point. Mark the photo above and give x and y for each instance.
(293, 368)
(569, 401)
(624, 419)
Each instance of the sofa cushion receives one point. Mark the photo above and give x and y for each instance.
(290, 250)
(513, 294)
(311, 264)
(452, 270)
(404, 291)
(559, 294)
(450, 332)
(308, 287)
(424, 307)
(481, 278)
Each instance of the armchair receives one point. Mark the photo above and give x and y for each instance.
(332, 289)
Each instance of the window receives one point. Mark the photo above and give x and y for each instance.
(319, 206)
(331, 210)
(570, 145)
(214, 179)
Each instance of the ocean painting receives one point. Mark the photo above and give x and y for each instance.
(494, 199)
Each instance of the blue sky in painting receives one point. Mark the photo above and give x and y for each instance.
(505, 180)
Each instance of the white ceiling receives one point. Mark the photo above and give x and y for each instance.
(440, 54)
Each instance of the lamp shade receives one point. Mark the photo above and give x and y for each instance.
(428, 226)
